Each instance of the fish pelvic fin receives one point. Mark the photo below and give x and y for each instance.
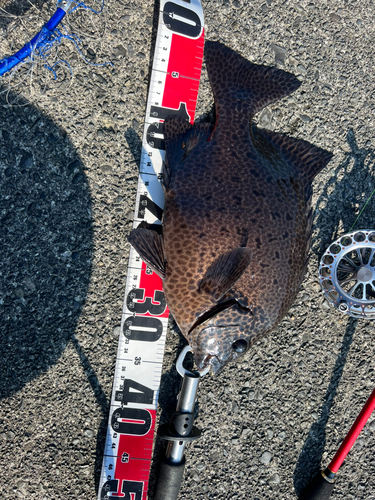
(225, 271)
(234, 78)
(181, 138)
(306, 159)
(150, 246)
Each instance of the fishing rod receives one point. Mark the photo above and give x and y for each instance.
(321, 487)
(347, 278)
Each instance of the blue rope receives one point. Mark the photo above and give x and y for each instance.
(47, 38)
(84, 6)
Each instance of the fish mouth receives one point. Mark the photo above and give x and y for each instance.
(213, 361)
(210, 356)
(210, 362)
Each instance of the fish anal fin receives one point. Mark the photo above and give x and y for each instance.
(150, 246)
(233, 78)
(225, 271)
(306, 159)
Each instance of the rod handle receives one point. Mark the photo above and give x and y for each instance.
(169, 480)
(318, 489)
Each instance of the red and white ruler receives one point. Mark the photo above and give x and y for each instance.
(131, 426)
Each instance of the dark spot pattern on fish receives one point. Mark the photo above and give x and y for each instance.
(232, 188)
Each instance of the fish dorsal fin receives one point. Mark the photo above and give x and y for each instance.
(306, 160)
(234, 78)
(225, 271)
(181, 138)
(150, 246)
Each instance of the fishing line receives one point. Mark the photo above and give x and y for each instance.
(360, 213)
(44, 46)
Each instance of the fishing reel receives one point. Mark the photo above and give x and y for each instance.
(347, 274)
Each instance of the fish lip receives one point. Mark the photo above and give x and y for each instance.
(214, 363)
(216, 366)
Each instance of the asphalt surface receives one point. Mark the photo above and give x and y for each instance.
(69, 155)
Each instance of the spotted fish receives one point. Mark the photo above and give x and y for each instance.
(237, 217)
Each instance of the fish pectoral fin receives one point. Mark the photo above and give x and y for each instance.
(225, 271)
(181, 138)
(150, 246)
(306, 159)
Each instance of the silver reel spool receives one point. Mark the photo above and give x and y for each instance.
(347, 274)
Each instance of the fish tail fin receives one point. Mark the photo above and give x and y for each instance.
(234, 78)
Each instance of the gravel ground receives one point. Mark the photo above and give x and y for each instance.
(69, 152)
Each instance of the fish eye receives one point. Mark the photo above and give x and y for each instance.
(239, 346)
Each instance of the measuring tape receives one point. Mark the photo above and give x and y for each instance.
(131, 426)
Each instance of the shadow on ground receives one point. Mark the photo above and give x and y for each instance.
(342, 199)
(45, 243)
(18, 8)
(344, 196)
(309, 461)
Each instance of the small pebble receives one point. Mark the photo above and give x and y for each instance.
(280, 53)
(106, 169)
(119, 51)
(325, 306)
(251, 395)
(275, 478)
(266, 458)
(88, 433)
(360, 443)
(195, 477)
(265, 118)
(116, 331)
(269, 433)
(245, 433)
(235, 408)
